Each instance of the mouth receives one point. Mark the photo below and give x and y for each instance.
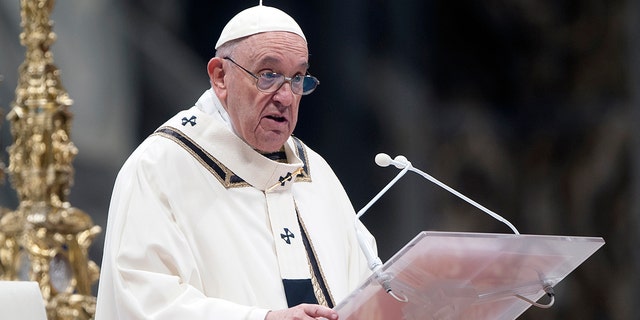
(277, 118)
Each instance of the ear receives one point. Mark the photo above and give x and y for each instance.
(217, 77)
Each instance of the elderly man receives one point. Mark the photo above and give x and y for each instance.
(221, 213)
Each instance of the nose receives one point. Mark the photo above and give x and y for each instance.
(284, 94)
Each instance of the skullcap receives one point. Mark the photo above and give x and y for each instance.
(258, 19)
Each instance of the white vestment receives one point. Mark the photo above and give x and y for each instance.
(201, 226)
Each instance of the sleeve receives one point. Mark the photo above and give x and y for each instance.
(148, 268)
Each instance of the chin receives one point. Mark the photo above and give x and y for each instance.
(273, 145)
(269, 147)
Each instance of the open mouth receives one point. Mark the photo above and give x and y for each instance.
(277, 118)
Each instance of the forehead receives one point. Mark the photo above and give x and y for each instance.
(275, 47)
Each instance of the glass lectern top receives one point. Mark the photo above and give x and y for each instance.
(446, 275)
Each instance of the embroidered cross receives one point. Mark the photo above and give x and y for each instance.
(287, 235)
(191, 120)
(286, 178)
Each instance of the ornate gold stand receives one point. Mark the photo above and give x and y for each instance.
(45, 239)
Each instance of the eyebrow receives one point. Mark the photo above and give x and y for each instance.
(270, 60)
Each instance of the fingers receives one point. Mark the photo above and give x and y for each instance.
(316, 311)
(303, 312)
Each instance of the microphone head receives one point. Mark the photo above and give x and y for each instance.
(401, 159)
(400, 162)
(383, 159)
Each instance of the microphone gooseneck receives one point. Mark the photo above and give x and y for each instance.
(401, 162)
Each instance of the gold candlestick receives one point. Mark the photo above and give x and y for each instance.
(45, 239)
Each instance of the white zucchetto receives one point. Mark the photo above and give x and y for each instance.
(258, 19)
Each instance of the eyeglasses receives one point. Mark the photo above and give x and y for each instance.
(270, 82)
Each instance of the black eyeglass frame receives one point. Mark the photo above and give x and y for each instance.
(303, 78)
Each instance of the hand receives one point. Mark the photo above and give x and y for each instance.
(303, 312)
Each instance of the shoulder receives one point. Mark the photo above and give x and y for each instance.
(156, 154)
(170, 140)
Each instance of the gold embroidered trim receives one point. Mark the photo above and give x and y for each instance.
(224, 175)
(317, 290)
(301, 152)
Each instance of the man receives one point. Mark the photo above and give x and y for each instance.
(221, 213)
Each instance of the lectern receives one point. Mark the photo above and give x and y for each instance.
(444, 275)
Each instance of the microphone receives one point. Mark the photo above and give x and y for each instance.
(384, 160)
(401, 162)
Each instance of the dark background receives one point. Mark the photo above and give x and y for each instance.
(529, 107)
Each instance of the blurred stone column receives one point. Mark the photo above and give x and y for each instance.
(99, 74)
(633, 33)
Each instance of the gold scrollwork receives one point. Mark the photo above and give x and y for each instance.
(45, 239)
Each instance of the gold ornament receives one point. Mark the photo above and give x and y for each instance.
(45, 239)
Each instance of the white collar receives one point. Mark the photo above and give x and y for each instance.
(210, 104)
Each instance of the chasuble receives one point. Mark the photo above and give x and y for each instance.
(201, 226)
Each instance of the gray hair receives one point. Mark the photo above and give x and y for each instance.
(227, 48)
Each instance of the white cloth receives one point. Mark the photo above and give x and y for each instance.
(258, 19)
(196, 226)
(211, 105)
